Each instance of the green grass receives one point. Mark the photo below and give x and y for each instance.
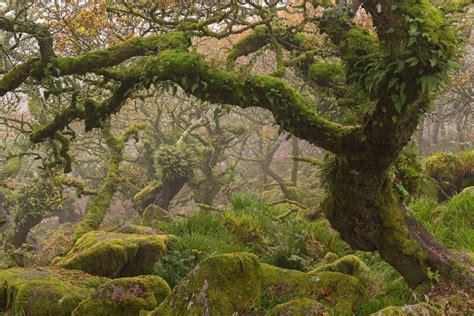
(250, 225)
(385, 286)
(452, 223)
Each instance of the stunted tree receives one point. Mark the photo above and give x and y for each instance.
(389, 71)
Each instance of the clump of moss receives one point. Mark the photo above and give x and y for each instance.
(326, 74)
(43, 291)
(349, 264)
(453, 172)
(115, 254)
(125, 296)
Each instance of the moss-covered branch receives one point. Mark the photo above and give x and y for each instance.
(288, 107)
(94, 60)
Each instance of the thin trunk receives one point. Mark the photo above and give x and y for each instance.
(21, 231)
(460, 134)
(295, 152)
(288, 192)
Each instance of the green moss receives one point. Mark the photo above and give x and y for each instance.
(125, 297)
(329, 257)
(221, 285)
(326, 74)
(115, 254)
(349, 264)
(334, 288)
(300, 306)
(248, 44)
(43, 291)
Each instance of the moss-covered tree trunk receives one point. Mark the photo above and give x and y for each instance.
(99, 204)
(362, 207)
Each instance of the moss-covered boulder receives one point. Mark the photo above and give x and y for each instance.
(221, 285)
(408, 310)
(350, 265)
(113, 254)
(125, 297)
(137, 229)
(339, 290)
(453, 172)
(44, 291)
(239, 283)
(299, 307)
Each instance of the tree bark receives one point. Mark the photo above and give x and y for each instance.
(168, 191)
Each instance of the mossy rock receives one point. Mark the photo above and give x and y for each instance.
(125, 297)
(299, 307)
(339, 290)
(154, 213)
(220, 285)
(329, 257)
(112, 254)
(452, 171)
(421, 309)
(349, 264)
(137, 229)
(44, 291)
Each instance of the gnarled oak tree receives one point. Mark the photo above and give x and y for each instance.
(393, 67)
